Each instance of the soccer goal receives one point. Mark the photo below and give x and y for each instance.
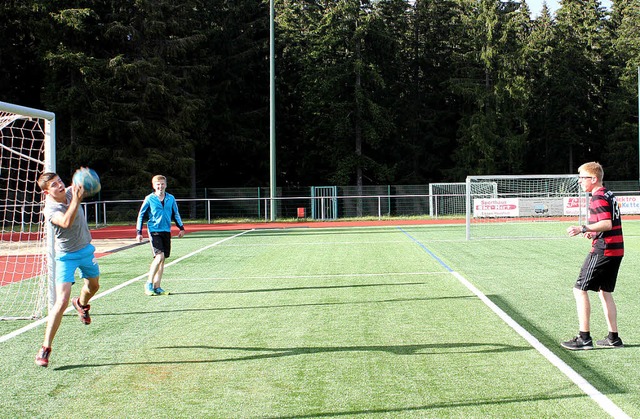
(27, 149)
(530, 206)
(449, 199)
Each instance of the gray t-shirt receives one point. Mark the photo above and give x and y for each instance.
(71, 239)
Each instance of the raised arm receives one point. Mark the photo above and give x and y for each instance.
(66, 219)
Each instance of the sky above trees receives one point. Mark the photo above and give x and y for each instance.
(553, 5)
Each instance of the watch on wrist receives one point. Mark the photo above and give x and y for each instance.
(584, 229)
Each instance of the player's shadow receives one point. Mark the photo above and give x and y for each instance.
(322, 287)
(251, 353)
(319, 304)
(419, 349)
(423, 410)
(580, 364)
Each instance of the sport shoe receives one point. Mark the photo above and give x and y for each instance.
(608, 343)
(159, 291)
(148, 289)
(83, 311)
(42, 358)
(577, 343)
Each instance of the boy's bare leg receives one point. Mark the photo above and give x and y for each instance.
(63, 293)
(583, 306)
(610, 310)
(156, 270)
(89, 289)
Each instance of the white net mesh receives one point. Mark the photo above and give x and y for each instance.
(449, 199)
(531, 206)
(23, 275)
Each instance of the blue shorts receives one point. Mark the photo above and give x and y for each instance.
(83, 259)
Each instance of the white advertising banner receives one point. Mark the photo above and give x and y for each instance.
(507, 207)
(572, 206)
(629, 204)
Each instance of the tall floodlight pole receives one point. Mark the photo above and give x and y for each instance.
(272, 110)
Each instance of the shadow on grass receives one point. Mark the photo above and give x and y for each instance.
(338, 303)
(259, 353)
(299, 288)
(571, 358)
(447, 405)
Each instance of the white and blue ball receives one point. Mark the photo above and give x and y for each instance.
(89, 179)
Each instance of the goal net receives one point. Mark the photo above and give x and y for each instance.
(26, 150)
(449, 199)
(531, 206)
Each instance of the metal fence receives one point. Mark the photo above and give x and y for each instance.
(254, 204)
(216, 204)
(212, 210)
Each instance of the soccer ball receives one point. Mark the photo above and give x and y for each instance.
(89, 179)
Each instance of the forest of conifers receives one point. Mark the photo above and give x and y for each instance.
(366, 91)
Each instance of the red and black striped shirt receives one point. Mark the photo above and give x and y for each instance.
(604, 206)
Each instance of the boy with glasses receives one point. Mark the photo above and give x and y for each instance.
(600, 269)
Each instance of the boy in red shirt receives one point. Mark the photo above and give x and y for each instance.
(600, 269)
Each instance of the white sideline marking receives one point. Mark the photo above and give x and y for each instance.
(370, 275)
(604, 402)
(116, 288)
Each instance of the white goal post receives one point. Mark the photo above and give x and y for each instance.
(27, 148)
(524, 206)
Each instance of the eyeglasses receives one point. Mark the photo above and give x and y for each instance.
(586, 177)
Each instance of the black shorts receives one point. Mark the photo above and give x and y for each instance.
(160, 243)
(598, 273)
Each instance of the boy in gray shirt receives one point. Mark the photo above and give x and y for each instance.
(73, 251)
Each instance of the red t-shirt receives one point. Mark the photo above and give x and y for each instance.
(604, 206)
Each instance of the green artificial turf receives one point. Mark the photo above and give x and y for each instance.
(314, 323)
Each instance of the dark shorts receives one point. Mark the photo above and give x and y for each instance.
(160, 243)
(598, 273)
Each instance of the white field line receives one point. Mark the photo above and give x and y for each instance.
(604, 402)
(338, 243)
(319, 243)
(37, 323)
(371, 275)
